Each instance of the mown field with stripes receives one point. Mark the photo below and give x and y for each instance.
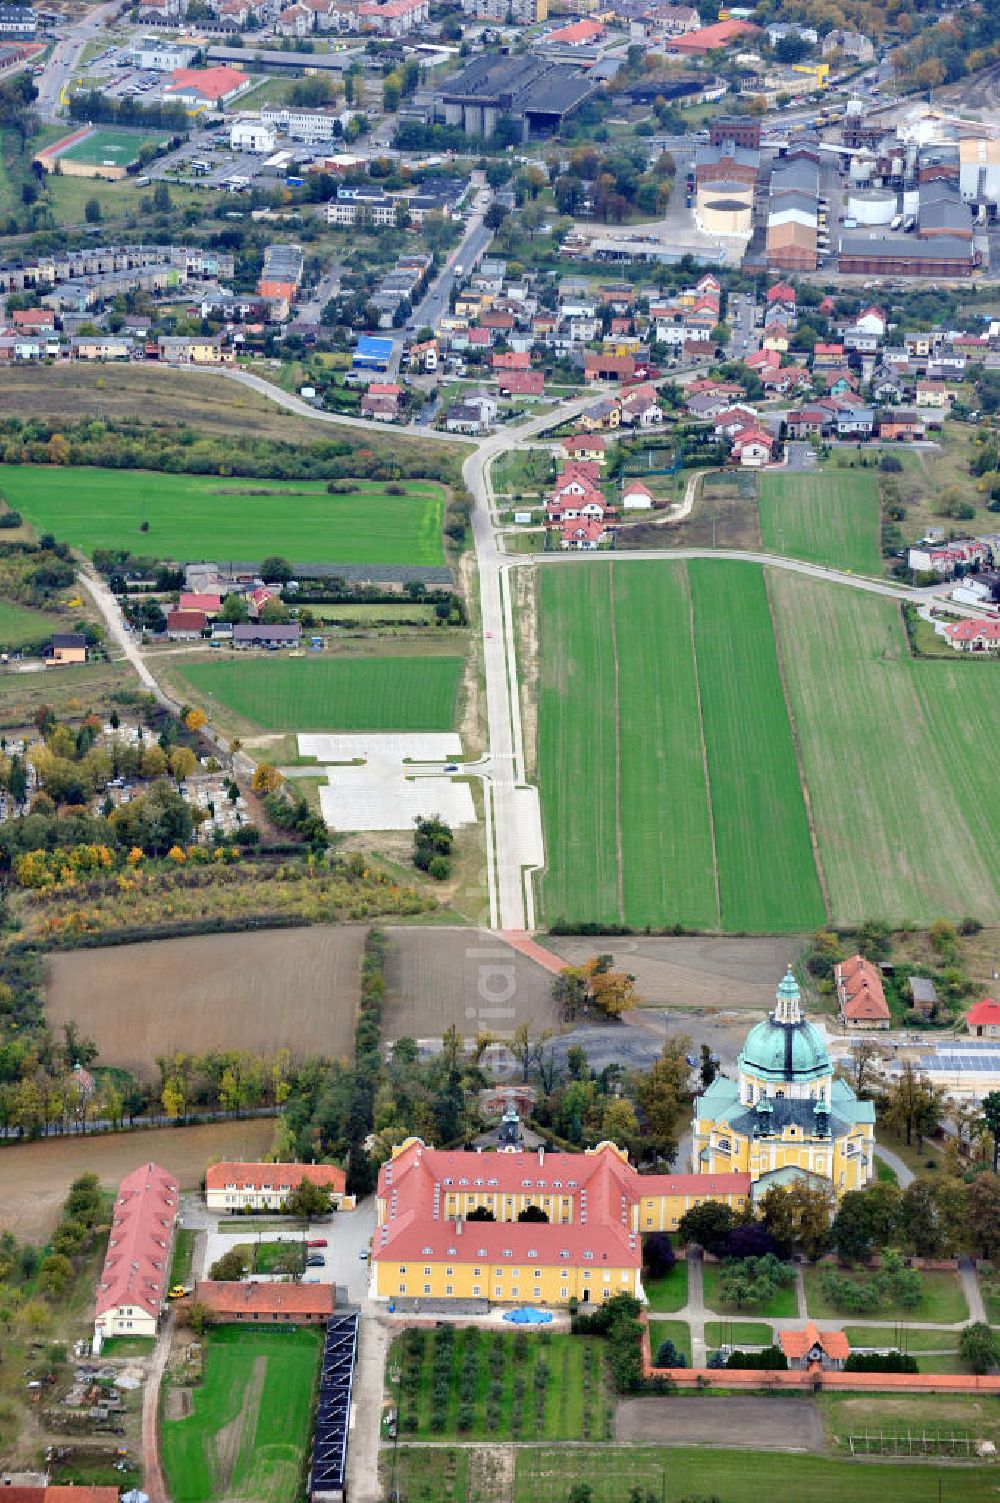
(726, 747)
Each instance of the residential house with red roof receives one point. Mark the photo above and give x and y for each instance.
(589, 1248)
(583, 446)
(983, 1020)
(636, 496)
(200, 600)
(583, 534)
(263, 1304)
(133, 1281)
(973, 636)
(521, 383)
(512, 360)
(608, 367)
(185, 626)
(235, 1186)
(752, 447)
(641, 406)
(860, 994)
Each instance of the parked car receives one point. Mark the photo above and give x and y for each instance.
(317, 1242)
(363, 1255)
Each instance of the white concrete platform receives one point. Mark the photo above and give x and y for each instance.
(386, 792)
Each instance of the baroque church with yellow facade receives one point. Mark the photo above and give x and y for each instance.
(785, 1117)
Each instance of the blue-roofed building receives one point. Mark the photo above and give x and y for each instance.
(372, 353)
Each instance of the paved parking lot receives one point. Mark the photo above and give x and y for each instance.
(347, 1234)
(385, 792)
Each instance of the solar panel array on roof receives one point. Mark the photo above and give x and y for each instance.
(333, 1409)
(980, 1062)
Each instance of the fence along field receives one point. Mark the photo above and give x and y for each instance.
(826, 516)
(622, 717)
(242, 519)
(332, 694)
(900, 757)
(281, 988)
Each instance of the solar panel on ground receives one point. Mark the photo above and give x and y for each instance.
(333, 1408)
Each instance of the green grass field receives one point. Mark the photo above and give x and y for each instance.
(767, 874)
(333, 694)
(900, 758)
(738, 1333)
(119, 147)
(639, 663)
(735, 1476)
(247, 1436)
(199, 516)
(670, 1292)
(902, 1337)
(943, 1302)
(20, 626)
(826, 516)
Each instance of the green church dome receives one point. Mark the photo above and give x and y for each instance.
(786, 1047)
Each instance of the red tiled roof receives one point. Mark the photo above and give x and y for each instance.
(636, 488)
(985, 1014)
(707, 37)
(781, 292)
(578, 32)
(138, 1257)
(797, 1343)
(585, 442)
(194, 600)
(186, 620)
(255, 1176)
(211, 83)
(693, 1184)
(522, 383)
(970, 631)
(512, 360)
(60, 1494)
(859, 987)
(265, 1299)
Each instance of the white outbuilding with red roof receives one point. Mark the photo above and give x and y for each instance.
(133, 1281)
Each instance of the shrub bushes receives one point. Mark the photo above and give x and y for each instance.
(881, 1362)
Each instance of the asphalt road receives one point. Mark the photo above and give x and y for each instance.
(65, 58)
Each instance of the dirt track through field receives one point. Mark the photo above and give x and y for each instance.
(284, 988)
(35, 1177)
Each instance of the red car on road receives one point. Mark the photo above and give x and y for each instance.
(317, 1242)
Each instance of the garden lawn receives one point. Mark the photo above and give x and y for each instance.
(671, 1291)
(906, 1336)
(677, 1331)
(738, 1333)
(780, 1306)
(826, 516)
(573, 1403)
(204, 516)
(943, 1300)
(548, 1475)
(183, 1255)
(333, 694)
(248, 1434)
(767, 872)
(900, 758)
(20, 626)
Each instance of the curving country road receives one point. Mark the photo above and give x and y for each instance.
(514, 846)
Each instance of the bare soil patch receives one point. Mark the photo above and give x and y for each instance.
(523, 583)
(178, 1403)
(767, 1424)
(291, 988)
(35, 1177)
(687, 971)
(725, 515)
(436, 978)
